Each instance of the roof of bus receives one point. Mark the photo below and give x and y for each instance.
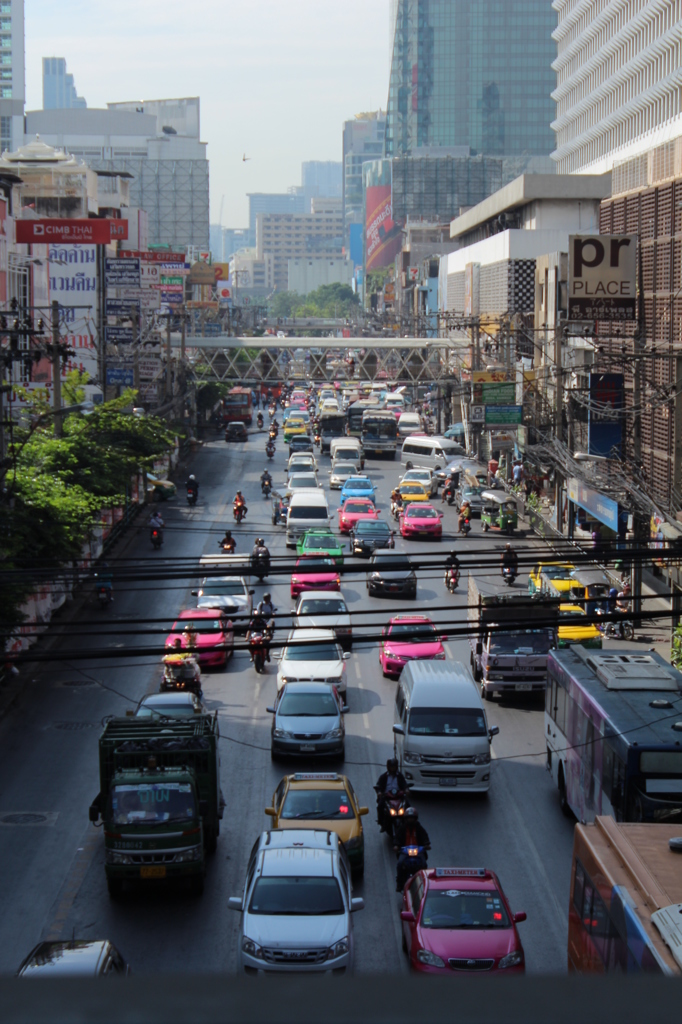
(628, 710)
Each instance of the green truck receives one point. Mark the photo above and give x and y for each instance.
(159, 799)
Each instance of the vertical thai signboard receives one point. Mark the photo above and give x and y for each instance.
(383, 237)
(73, 284)
(605, 420)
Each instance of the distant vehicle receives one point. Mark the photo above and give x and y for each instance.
(213, 635)
(73, 958)
(332, 424)
(354, 510)
(427, 477)
(340, 472)
(391, 575)
(409, 423)
(308, 721)
(236, 431)
(310, 655)
(369, 535)
(314, 573)
(421, 520)
(405, 638)
(300, 443)
(229, 593)
(322, 609)
(158, 489)
(170, 705)
(358, 487)
(379, 432)
(237, 405)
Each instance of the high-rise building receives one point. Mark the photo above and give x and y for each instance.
(473, 73)
(292, 201)
(363, 139)
(287, 236)
(59, 89)
(12, 74)
(618, 80)
(321, 178)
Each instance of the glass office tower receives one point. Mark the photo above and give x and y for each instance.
(471, 73)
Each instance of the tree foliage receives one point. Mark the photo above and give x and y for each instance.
(329, 300)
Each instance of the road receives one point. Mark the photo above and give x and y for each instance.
(53, 882)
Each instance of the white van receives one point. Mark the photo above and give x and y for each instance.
(395, 401)
(442, 737)
(423, 452)
(347, 449)
(308, 510)
(409, 423)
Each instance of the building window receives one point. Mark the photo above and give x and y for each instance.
(6, 92)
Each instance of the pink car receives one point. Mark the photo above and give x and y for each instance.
(207, 632)
(406, 638)
(354, 509)
(421, 520)
(314, 573)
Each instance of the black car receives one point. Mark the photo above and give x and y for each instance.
(391, 575)
(236, 431)
(300, 443)
(73, 958)
(370, 534)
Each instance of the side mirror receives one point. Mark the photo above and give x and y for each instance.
(235, 903)
(195, 593)
(270, 710)
(407, 916)
(493, 731)
(93, 812)
(399, 730)
(357, 904)
(346, 655)
(521, 916)
(252, 591)
(270, 811)
(363, 810)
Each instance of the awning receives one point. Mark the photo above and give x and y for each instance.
(604, 509)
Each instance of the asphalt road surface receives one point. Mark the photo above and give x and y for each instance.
(52, 884)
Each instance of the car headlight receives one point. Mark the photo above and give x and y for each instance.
(411, 758)
(511, 959)
(334, 734)
(251, 948)
(281, 734)
(188, 855)
(375, 576)
(113, 857)
(482, 759)
(425, 956)
(439, 657)
(338, 949)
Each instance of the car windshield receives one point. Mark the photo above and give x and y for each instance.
(314, 564)
(303, 480)
(343, 468)
(308, 705)
(447, 722)
(573, 610)
(317, 803)
(472, 492)
(358, 506)
(201, 626)
(219, 588)
(412, 489)
(528, 641)
(152, 803)
(320, 607)
(299, 897)
(556, 572)
(312, 652)
(371, 526)
(412, 630)
(322, 543)
(396, 563)
(464, 908)
(359, 482)
(421, 513)
(166, 710)
(308, 512)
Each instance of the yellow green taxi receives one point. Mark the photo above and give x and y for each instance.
(411, 491)
(550, 571)
(585, 633)
(323, 800)
(294, 425)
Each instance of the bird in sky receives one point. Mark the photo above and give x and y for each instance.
(245, 158)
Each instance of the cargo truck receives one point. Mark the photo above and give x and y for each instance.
(513, 661)
(159, 799)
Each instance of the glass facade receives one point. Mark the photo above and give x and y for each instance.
(471, 73)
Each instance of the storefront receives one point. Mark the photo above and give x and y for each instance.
(586, 506)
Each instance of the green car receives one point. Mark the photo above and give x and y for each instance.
(321, 542)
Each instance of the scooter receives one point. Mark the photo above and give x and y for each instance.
(156, 537)
(266, 488)
(257, 648)
(239, 512)
(191, 496)
(317, 439)
(104, 592)
(449, 495)
(508, 575)
(452, 579)
(417, 859)
(394, 808)
(396, 509)
(260, 565)
(270, 450)
(259, 420)
(465, 528)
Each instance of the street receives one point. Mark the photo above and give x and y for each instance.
(53, 883)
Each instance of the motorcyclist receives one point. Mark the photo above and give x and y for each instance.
(228, 543)
(509, 559)
(265, 478)
(259, 420)
(464, 513)
(410, 833)
(450, 486)
(239, 501)
(396, 499)
(156, 525)
(192, 484)
(105, 579)
(391, 783)
(265, 607)
(260, 556)
(623, 606)
(452, 564)
(258, 624)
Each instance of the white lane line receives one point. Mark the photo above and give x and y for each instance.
(365, 721)
(358, 671)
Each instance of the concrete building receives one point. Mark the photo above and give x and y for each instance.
(423, 244)
(266, 203)
(363, 139)
(290, 236)
(473, 73)
(322, 178)
(59, 89)
(618, 84)
(158, 143)
(306, 274)
(251, 275)
(12, 74)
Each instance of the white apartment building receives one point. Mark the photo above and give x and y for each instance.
(12, 74)
(619, 80)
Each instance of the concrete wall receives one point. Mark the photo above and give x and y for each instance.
(305, 275)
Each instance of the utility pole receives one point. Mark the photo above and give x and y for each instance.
(169, 378)
(135, 318)
(56, 371)
(558, 415)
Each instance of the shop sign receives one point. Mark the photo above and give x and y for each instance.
(503, 415)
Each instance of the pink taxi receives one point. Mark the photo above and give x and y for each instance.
(421, 520)
(314, 573)
(207, 632)
(355, 509)
(408, 638)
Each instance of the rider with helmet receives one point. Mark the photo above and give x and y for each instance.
(228, 543)
(410, 833)
(391, 783)
(509, 559)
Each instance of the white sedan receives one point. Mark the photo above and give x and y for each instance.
(313, 655)
(320, 609)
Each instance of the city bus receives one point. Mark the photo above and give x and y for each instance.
(238, 405)
(332, 424)
(355, 412)
(379, 432)
(614, 744)
(625, 882)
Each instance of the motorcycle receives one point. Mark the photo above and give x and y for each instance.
(452, 579)
(239, 512)
(191, 496)
(394, 807)
(396, 509)
(622, 629)
(270, 450)
(416, 859)
(257, 648)
(273, 434)
(104, 592)
(156, 537)
(259, 420)
(271, 412)
(465, 528)
(228, 549)
(449, 496)
(508, 575)
(317, 439)
(260, 565)
(266, 488)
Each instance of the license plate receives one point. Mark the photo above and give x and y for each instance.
(153, 871)
(394, 586)
(448, 780)
(307, 748)
(524, 686)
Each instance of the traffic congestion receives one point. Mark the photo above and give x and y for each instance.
(344, 740)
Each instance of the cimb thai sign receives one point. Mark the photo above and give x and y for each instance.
(602, 277)
(87, 231)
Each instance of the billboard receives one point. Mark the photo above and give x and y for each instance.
(605, 415)
(602, 277)
(73, 283)
(383, 237)
(91, 231)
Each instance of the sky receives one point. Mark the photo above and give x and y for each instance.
(277, 78)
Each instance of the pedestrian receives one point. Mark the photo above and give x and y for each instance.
(493, 466)
(517, 473)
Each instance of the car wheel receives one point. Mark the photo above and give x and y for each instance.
(115, 888)
(274, 757)
(359, 870)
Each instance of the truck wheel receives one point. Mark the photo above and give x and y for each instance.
(196, 885)
(485, 692)
(211, 841)
(115, 887)
(476, 671)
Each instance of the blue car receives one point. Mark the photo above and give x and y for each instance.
(358, 487)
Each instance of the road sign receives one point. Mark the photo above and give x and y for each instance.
(149, 369)
(122, 307)
(147, 298)
(477, 414)
(121, 375)
(119, 273)
(503, 415)
(119, 335)
(149, 274)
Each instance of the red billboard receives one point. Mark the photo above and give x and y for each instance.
(383, 235)
(82, 231)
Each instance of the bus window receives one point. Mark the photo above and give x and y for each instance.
(560, 706)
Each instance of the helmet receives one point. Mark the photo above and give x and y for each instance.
(411, 813)
(192, 476)
(613, 592)
(392, 764)
(618, 565)
(266, 597)
(239, 493)
(228, 533)
(508, 545)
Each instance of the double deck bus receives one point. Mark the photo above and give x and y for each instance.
(355, 413)
(613, 735)
(379, 431)
(238, 405)
(626, 887)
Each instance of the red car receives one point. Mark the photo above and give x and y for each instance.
(354, 509)
(458, 919)
(213, 638)
(314, 573)
(421, 520)
(408, 638)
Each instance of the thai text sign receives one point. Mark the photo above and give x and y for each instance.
(90, 231)
(602, 277)
(503, 415)
(122, 272)
(602, 508)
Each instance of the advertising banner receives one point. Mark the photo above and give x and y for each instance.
(491, 387)
(602, 508)
(150, 274)
(605, 415)
(154, 257)
(602, 277)
(119, 272)
(121, 307)
(72, 273)
(119, 335)
(503, 415)
(92, 231)
(121, 375)
(383, 236)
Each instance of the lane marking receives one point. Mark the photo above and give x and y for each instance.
(365, 721)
